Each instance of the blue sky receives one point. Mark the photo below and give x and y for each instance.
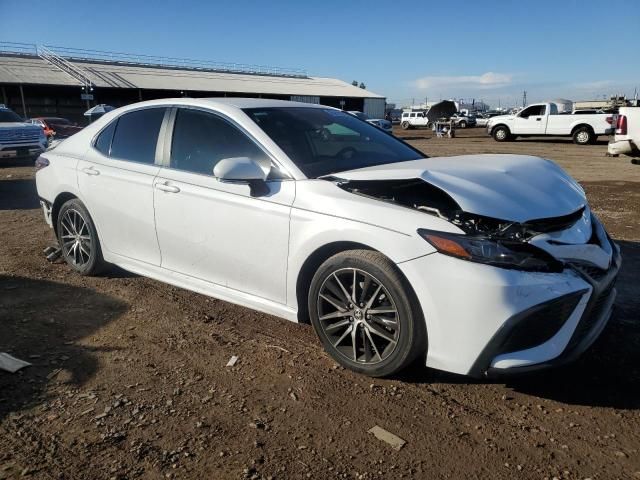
(491, 50)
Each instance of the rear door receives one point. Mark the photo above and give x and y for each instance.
(217, 231)
(116, 181)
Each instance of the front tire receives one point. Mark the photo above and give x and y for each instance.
(405, 125)
(78, 238)
(501, 134)
(366, 314)
(583, 136)
(462, 124)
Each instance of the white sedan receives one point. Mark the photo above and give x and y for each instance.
(478, 264)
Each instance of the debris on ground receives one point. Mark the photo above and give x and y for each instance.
(279, 348)
(11, 364)
(52, 253)
(232, 361)
(388, 437)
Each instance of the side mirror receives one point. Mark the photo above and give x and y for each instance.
(242, 170)
(239, 169)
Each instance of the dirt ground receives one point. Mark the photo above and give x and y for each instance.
(129, 377)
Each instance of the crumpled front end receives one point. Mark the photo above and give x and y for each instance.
(485, 320)
(527, 279)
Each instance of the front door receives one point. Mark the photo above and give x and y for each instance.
(217, 231)
(531, 121)
(116, 181)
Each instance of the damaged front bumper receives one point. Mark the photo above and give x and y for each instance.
(578, 333)
(483, 320)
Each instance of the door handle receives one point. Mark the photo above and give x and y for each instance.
(538, 119)
(167, 188)
(91, 171)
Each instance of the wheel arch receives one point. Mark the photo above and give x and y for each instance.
(493, 129)
(60, 200)
(581, 125)
(311, 265)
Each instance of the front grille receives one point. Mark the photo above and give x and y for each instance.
(594, 314)
(593, 272)
(541, 323)
(19, 135)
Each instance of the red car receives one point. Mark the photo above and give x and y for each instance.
(56, 126)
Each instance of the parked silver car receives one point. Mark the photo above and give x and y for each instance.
(381, 123)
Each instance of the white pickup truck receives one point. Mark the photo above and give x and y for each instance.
(543, 119)
(626, 138)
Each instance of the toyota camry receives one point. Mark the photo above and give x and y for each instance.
(476, 264)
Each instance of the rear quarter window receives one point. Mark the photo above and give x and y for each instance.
(103, 141)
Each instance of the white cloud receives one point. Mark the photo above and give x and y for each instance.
(486, 80)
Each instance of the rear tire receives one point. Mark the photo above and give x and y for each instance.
(78, 238)
(501, 134)
(405, 125)
(379, 329)
(583, 136)
(462, 124)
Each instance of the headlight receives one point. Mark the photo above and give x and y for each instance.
(499, 253)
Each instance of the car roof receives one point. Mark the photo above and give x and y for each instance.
(237, 102)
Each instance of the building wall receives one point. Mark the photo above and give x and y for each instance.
(374, 107)
(591, 104)
(305, 99)
(65, 101)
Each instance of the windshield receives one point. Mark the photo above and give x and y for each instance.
(7, 116)
(326, 141)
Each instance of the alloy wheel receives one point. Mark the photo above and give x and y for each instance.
(358, 316)
(75, 237)
(583, 137)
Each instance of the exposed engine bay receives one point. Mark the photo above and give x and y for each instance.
(420, 195)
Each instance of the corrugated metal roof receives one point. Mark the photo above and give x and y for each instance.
(33, 70)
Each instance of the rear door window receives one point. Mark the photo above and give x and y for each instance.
(136, 135)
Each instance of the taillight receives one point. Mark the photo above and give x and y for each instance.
(41, 162)
(609, 120)
(621, 125)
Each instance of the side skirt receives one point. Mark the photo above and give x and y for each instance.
(203, 287)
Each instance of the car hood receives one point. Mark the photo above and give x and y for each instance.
(19, 126)
(516, 188)
(502, 117)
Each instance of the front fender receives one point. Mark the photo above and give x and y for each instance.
(311, 231)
